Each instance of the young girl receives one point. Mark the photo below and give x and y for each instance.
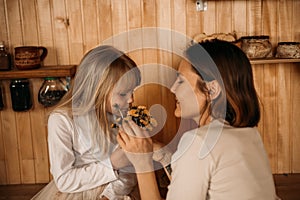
(224, 158)
(84, 158)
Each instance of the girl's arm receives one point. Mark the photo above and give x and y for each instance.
(70, 178)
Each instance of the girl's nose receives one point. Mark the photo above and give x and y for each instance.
(173, 88)
(130, 100)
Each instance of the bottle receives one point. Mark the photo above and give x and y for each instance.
(20, 94)
(51, 91)
(5, 58)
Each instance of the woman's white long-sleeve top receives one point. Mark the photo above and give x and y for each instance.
(221, 162)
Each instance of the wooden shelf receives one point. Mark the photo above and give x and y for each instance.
(273, 61)
(42, 72)
(70, 70)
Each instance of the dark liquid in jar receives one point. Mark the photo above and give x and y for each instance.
(50, 98)
(4, 62)
(20, 96)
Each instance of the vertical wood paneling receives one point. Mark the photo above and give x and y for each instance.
(209, 16)
(45, 27)
(39, 135)
(135, 38)
(283, 118)
(3, 30)
(295, 94)
(269, 99)
(10, 140)
(284, 85)
(60, 26)
(254, 17)
(70, 28)
(105, 19)
(14, 23)
(75, 30)
(295, 116)
(270, 22)
(239, 18)
(150, 55)
(120, 23)
(3, 176)
(164, 12)
(29, 25)
(193, 24)
(90, 20)
(26, 147)
(259, 85)
(223, 11)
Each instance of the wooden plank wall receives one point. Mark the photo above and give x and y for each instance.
(69, 28)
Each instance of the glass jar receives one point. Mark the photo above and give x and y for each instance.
(5, 59)
(20, 94)
(51, 91)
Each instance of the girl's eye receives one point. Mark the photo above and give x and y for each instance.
(180, 80)
(125, 93)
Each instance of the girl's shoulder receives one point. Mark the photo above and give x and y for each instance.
(59, 116)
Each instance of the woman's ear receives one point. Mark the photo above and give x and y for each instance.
(214, 89)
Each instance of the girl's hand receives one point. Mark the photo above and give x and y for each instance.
(138, 146)
(118, 159)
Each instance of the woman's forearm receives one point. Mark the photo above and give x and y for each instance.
(148, 186)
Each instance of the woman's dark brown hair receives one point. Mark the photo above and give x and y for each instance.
(228, 64)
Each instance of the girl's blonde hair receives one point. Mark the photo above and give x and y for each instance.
(96, 76)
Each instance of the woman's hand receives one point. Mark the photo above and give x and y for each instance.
(138, 146)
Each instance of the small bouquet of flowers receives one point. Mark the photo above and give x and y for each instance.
(140, 115)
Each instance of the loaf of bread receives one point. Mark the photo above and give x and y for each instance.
(288, 50)
(256, 46)
(229, 37)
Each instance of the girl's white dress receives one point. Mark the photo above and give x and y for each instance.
(80, 171)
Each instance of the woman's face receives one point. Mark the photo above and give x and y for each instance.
(189, 98)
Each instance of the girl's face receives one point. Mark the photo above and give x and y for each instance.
(120, 100)
(189, 98)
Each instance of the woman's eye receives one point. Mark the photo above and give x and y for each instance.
(123, 94)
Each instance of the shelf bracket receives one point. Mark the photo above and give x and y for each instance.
(201, 5)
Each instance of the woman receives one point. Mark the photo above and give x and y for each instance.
(85, 160)
(224, 158)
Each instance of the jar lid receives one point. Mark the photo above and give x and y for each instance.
(50, 78)
(288, 43)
